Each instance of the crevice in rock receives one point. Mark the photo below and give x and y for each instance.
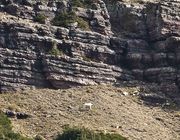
(40, 67)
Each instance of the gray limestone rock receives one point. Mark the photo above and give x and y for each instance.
(126, 42)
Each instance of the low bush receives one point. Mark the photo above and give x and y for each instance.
(129, 1)
(40, 18)
(64, 19)
(67, 18)
(77, 3)
(85, 134)
(83, 3)
(54, 50)
(6, 132)
(83, 24)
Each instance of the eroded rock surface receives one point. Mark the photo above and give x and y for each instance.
(126, 42)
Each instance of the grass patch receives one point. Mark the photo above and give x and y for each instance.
(6, 132)
(85, 134)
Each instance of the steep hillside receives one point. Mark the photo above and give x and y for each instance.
(112, 111)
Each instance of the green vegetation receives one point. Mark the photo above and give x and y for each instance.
(82, 24)
(137, 1)
(54, 50)
(64, 19)
(85, 134)
(6, 132)
(130, 1)
(85, 58)
(40, 18)
(77, 3)
(67, 18)
(75, 133)
(38, 137)
(83, 3)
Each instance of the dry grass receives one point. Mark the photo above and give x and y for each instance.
(52, 109)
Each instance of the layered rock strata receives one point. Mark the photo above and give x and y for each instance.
(126, 42)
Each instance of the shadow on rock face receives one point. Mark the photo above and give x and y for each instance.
(164, 95)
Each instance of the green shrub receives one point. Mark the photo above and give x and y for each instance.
(83, 3)
(40, 18)
(64, 19)
(129, 1)
(85, 134)
(83, 24)
(38, 137)
(77, 3)
(85, 58)
(6, 132)
(54, 50)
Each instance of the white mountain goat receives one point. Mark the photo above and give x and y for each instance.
(88, 106)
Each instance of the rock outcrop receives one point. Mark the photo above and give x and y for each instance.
(126, 42)
(153, 55)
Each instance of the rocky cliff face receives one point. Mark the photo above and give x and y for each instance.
(126, 42)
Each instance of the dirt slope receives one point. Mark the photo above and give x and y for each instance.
(51, 109)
